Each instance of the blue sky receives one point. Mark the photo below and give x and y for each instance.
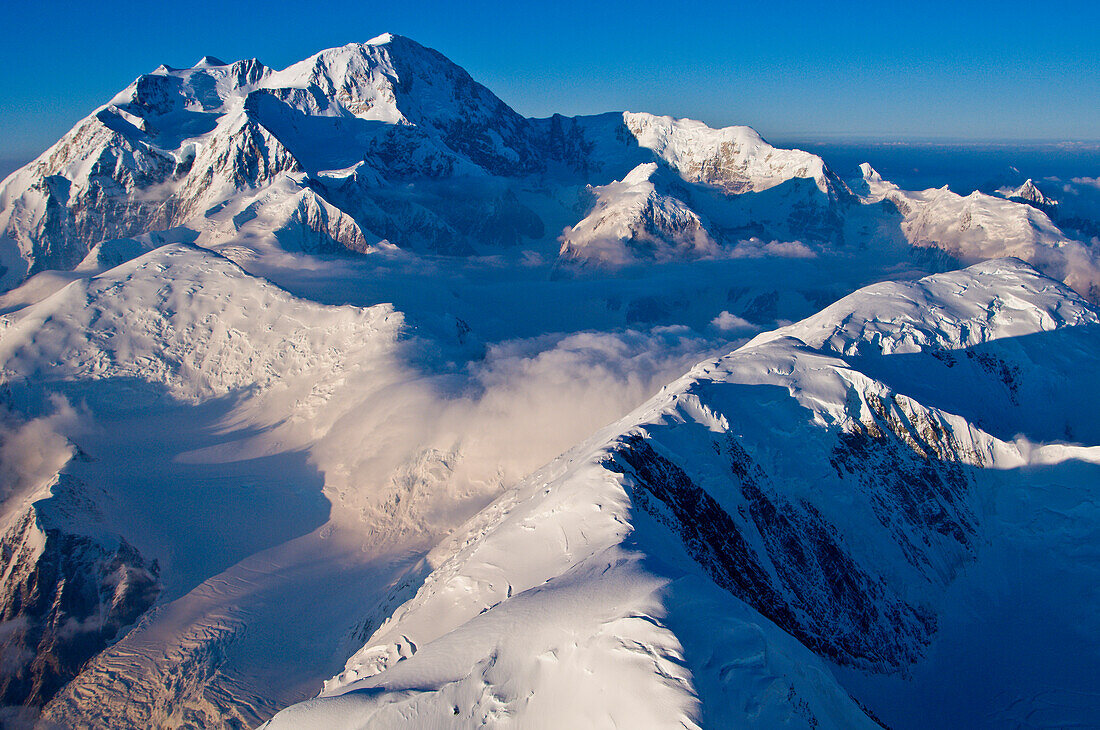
(790, 68)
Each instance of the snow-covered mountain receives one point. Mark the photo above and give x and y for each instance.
(979, 226)
(352, 360)
(797, 487)
(631, 221)
(388, 143)
(1028, 192)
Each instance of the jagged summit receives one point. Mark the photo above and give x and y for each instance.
(1029, 192)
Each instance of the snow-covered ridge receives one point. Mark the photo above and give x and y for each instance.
(979, 226)
(777, 487)
(735, 159)
(996, 299)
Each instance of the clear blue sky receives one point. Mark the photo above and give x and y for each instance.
(790, 68)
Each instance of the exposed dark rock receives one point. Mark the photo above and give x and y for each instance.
(783, 557)
(63, 598)
(915, 491)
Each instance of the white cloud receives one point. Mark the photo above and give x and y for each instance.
(757, 248)
(732, 323)
(417, 455)
(32, 452)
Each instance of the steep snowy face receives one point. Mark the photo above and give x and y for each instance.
(631, 221)
(418, 96)
(94, 168)
(164, 150)
(182, 147)
(778, 517)
(176, 144)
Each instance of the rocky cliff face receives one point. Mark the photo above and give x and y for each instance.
(65, 597)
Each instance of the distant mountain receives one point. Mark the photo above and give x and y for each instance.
(1028, 193)
(388, 143)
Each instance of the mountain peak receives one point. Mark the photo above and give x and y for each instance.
(387, 65)
(1029, 193)
(869, 173)
(381, 40)
(397, 81)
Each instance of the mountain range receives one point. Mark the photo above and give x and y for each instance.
(344, 395)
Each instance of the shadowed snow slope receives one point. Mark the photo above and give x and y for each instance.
(150, 352)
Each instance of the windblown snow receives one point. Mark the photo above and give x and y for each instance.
(344, 395)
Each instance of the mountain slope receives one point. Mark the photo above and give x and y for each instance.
(155, 353)
(829, 507)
